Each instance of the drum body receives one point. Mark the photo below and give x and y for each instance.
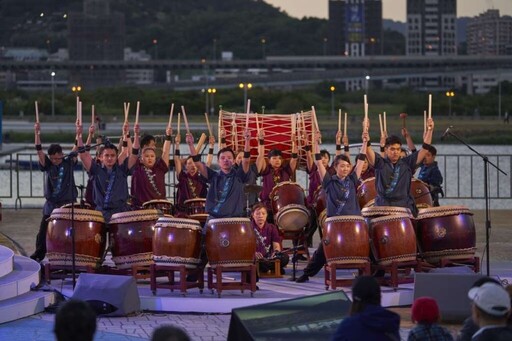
(177, 242)
(196, 209)
(163, 205)
(131, 236)
(393, 239)
(446, 232)
(373, 212)
(346, 240)
(289, 206)
(230, 242)
(367, 192)
(320, 201)
(421, 194)
(90, 237)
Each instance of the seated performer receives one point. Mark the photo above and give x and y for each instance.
(275, 171)
(148, 173)
(191, 184)
(431, 175)
(341, 193)
(110, 177)
(393, 174)
(268, 241)
(59, 186)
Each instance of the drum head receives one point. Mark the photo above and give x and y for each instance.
(292, 218)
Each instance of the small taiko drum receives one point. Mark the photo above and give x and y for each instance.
(366, 193)
(90, 237)
(78, 205)
(196, 209)
(393, 239)
(446, 232)
(230, 242)
(346, 240)
(131, 236)
(421, 194)
(289, 207)
(319, 201)
(177, 241)
(159, 204)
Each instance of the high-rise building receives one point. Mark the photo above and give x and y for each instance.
(431, 27)
(489, 34)
(355, 27)
(96, 34)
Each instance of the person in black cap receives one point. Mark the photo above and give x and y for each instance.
(368, 320)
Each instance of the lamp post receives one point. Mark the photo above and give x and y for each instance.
(212, 91)
(76, 89)
(155, 44)
(367, 84)
(332, 88)
(245, 87)
(263, 42)
(325, 46)
(53, 93)
(450, 94)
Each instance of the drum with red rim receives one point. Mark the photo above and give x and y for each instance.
(230, 242)
(446, 232)
(421, 194)
(346, 240)
(177, 241)
(90, 237)
(289, 206)
(131, 237)
(393, 239)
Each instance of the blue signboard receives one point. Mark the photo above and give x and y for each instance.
(354, 18)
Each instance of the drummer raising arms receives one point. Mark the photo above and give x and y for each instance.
(341, 195)
(393, 174)
(59, 186)
(191, 184)
(225, 198)
(110, 177)
(148, 173)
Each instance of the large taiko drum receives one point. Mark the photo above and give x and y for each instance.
(289, 206)
(393, 239)
(159, 204)
(196, 209)
(131, 237)
(421, 194)
(367, 192)
(177, 241)
(230, 242)
(373, 212)
(90, 237)
(346, 240)
(446, 232)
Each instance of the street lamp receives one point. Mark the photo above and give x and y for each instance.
(332, 88)
(325, 46)
(367, 84)
(76, 89)
(53, 93)
(263, 42)
(212, 91)
(155, 43)
(450, 94)
(245, 87)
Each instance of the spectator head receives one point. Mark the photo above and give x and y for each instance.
(425, 310)
(75, 320)
(491, 302)
(169, 333)
(365, 290)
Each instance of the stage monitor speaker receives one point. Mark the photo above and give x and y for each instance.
(450, 291)
(109, 295)
(313, 317)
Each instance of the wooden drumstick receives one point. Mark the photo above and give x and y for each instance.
(430, 106)
(380, 124)
(179, 122)
(185, 119)
(126, 111)
(37, 112)
(77, 109)
(92, 115)
(339, 119)
(317, 127)
(137, 113)
(424, 120)
(208, 124)
(200, 143)
(345, 126)
(80, 112)
(365, 107)
(170, 115)
(247, 114)
(403, 116)
(385, 123)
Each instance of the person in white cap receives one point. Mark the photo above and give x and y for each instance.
(491, 307)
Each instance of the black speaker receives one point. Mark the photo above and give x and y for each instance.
(450, 289)
(108, 295)
(313, 317)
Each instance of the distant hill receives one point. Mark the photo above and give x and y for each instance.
(395, 26)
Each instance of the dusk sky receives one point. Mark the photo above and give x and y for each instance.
(392, 9)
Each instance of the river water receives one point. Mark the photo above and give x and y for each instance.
(461, 169)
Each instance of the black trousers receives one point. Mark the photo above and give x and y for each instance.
(41, 238)
(316, 262)
(266, 266)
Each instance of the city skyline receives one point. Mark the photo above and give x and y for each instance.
(392, 9)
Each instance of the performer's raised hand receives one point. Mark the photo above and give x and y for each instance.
(177, 139)
(168, 131)
(136, 129)
(339, 136)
